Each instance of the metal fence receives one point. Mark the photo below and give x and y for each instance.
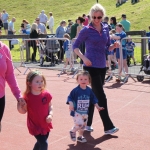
(138, 62)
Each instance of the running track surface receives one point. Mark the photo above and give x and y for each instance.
(129, 109)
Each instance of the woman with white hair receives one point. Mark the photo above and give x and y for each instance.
(97, 41)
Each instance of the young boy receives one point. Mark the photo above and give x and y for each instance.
(130, 49)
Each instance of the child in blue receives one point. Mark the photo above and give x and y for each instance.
(120, 34)
(68, 50)
(148, 35)
(79, 101)
(130, 49)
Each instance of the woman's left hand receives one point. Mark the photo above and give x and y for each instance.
(86, 61)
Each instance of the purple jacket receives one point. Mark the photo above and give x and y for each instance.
(96, 44)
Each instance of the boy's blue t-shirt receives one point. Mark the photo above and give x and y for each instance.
(81, 99)
(130, 46)
(66, 45)
(122, 35)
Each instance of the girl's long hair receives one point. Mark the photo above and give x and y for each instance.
(30, 76)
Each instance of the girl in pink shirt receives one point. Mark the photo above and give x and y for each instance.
(7, 75)
(39, 109)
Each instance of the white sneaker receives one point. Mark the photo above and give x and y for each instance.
(112, 131)
(89, 128)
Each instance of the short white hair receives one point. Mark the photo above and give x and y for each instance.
(96, 8)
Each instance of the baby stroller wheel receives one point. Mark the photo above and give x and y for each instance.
(41, 61)
(140, 78)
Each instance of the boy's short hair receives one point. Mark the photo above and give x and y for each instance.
(66, 35)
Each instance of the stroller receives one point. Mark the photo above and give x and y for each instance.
(145, 67)
(49, 50)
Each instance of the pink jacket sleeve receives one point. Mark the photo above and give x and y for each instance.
(10, 77)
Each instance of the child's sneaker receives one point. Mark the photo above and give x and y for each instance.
(88, 128)
(112, 131)
(81, 139)
(73, 136)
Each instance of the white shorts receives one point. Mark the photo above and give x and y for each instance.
(80, 120)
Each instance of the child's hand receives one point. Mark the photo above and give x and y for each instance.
(49, 118)
(22, 108)
(71, 108)
(98, 107)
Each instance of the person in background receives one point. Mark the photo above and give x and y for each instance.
(126, 24)
(73, 35)
(11, 31)
(70, 23)
(113, 22)
(43, 17)
(7, 75)
(39, 109)
(60, 31)
(33, 43)
(51, 22)
(41, 26)
(105, 21)
(68, 50)
(26, 26)
(95, 62)
(5, 17)
(120, 34)
(80, 26)
(86, 22)
(1, 23)
(148, 35)
(130, 45)
(89, 19)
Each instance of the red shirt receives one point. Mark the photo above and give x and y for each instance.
(37, 111)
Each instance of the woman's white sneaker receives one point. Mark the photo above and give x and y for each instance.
(89, 128)
(112, 131)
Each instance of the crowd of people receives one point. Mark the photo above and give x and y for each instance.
(120, 2)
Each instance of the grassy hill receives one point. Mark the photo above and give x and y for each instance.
(137, 14)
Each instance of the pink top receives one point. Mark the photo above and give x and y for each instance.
(38, 110)
(7, 72)
(86, 22)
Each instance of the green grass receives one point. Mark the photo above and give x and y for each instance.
(137, 14)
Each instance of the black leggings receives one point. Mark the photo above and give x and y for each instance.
(2, 107)
(98, 77)
(41, 143)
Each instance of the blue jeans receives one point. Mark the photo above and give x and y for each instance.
(41, 143)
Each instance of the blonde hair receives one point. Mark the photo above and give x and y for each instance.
(96, 8)
(34, 26)
(30, 76)
(84, 73)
